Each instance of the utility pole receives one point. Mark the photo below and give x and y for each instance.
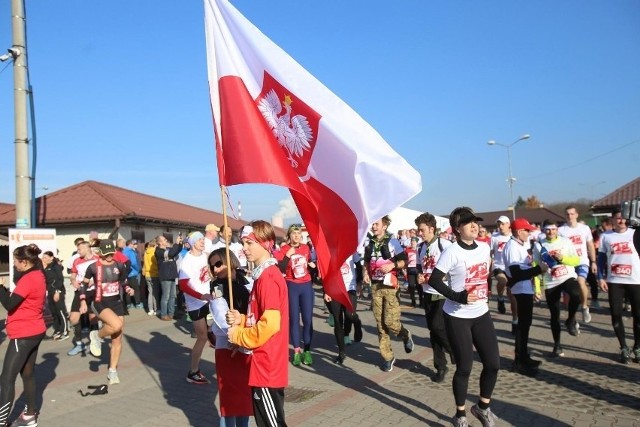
(20, 87)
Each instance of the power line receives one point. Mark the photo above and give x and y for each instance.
(582, 162)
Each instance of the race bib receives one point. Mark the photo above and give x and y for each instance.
(110, 289)
(559, 271)
(621, 269)
(298, 266)
(481, 290)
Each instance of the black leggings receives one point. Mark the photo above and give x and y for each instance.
(617, 292)
(438, 334)
(20, 358)
(463, 335)
(525, 316)
(572, 288)
(343, 319)
(59, 312)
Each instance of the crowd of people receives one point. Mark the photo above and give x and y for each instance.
(252, 298)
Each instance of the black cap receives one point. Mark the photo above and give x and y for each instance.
(107, 247)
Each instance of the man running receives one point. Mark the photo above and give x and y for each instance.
(580, 235)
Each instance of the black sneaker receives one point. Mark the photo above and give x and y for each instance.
(571, 327)
(501, 307)
(531, 362)
(197, 378)
(387, 365)
(357, 333)
(625, 355)
(440, 375)
(557, 351)
(408, 343)
(523, 369)
(340, 359)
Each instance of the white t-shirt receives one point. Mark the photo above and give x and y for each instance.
(516, 253)
(623, 263)
(348, 271)
(236, 248)
(579, 235)
(466, 269)
(195, 269)
(498, 242)
(560, 273)
(428, 256)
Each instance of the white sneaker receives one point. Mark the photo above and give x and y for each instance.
(586, 316)
(112, 376)
(151, 313)
(95, 346)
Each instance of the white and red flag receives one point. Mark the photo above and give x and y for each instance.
(277, 124)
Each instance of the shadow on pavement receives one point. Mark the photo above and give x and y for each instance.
(169, 362)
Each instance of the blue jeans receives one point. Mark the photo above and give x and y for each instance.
(234, 421)
(168, 297)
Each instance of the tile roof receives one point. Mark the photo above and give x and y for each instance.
(92, 201)
(629, 191)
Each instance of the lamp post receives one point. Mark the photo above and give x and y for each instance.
(511, 178)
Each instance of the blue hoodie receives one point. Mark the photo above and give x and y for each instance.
(135, 262)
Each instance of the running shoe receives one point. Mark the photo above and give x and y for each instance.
(486, 417)
(197, 378)
(636, 355)
(586, 316)
(571, 327)
(595, 304)
(501, 307)
(347, 340)
(557, 351)
(63, 337)
(77, 349)
(387, 365)
(459, 421)
(139, 306)
(340, 359)
(25, 420)
(151, 313)
(95, 344)
(297, 359)
(357, 332)
(112, 376)
(440, 375)
(306, 358)
(56, 336)
(408, 343)
(625, 355)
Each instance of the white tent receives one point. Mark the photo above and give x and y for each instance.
(404, 218)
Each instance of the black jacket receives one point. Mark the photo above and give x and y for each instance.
(167, 268)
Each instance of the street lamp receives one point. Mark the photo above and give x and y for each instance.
(511, 178)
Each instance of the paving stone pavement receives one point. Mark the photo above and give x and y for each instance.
(587, 387)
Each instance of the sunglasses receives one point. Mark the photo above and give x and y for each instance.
(218, 264)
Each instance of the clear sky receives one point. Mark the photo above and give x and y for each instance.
(121, 93)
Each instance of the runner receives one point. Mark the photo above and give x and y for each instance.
(25, 328)
(467, 319)
(561, 277)
(499, 240)
(109, 276)
(580, 235)
(194, 281)
(619, 274)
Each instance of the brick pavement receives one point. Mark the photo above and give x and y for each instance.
(585, 388)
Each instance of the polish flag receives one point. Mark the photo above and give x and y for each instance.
(277, 124)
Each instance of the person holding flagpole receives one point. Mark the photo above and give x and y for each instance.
(265, 327)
